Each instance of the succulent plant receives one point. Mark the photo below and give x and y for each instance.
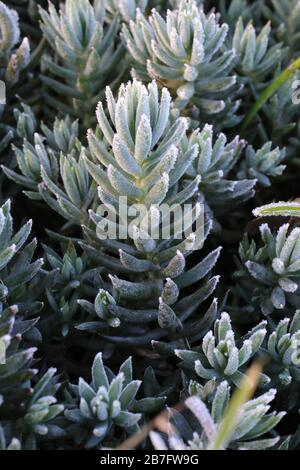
(220, 357)
(185, 52)
(107, 402)
(144, 146)
(272, 269)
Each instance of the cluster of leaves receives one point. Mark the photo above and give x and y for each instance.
(117, 104)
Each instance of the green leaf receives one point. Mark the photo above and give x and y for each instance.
(283, 209)
(99, 376)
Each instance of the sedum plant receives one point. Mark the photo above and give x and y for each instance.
(215, 161)
(112, 310)
(284, 346)
(195, 429)
(220, 357)
(125, 8)
(73, 279)
(41, 152)
(16, 266)
(284, 16)
(17, 270)
(272, 269)
(237, 9)
(262, 164)
(185, 53)
(146, 165)
(41, 410)
(12, 59)
(254, 60)
(107, 402)
(16, 370)
(87, 51)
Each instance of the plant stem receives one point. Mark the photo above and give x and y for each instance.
(270, 91)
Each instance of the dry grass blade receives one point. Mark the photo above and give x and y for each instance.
(161, 422)
(241, 396)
